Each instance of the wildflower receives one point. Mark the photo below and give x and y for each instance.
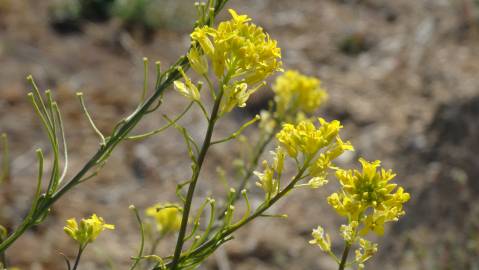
(297, 93)
(267, 180)
(320, 239)
(88, 229)
(236, 95)
(187, 89)
(167, 217)
(366, 250)
(348, 232)
(242, 56)
(317, 182)
(306, 139)
(197, 61)
(369, 189)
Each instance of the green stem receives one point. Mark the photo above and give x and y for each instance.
(263, 208)
(119, 134)
(344, 258)
(117, 137)
(3, 260)
(77, 260)
(194, 180)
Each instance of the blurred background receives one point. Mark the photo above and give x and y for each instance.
(402, 77)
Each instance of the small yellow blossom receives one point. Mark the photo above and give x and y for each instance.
(321, 239)
(187, 89)
(296, 93)
(267, 180)
(236, 95)
(198, 62)
(366, 250)
(348, 232)
(167, 217)
(88, 229)
(317, 182)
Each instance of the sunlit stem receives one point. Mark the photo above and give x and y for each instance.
(194, 178)
(158, 73)
(196, 221)
(239, 131)
(90, 120)
(210, 224)
(142, 237)
(145, 80)
(163, 128)
(5, 159)
(57, 113)
(38, 189)
(38, 96)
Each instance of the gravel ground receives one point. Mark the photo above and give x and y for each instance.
(402, 78)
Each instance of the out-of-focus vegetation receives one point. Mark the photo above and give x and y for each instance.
(144, 16)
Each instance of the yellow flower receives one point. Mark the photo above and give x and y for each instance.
(369, 189)
(366, 250)
(197, 61)
(88, 229)
(167, 217)
(296, 93)
(306, 139)
(240, 48)
(267, 180)
(320, 239)
(242, 56)
(236, 95)
(348, 232)
(187, 89)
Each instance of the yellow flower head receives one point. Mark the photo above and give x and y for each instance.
(305, 138)
(297, 93)
(88, 229)
(366, 250)
(369, 189)
(321, 239)
(167, 217)
(239, 49)
(187, 89)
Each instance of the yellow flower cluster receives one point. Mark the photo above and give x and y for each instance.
(269, 179)
(369, 189)
(237, 48)
(304, 138)
(242, 56)
(317, 146)
(321, 239)
(297, 93)
(88, 229)
(368, 199)
(167, 217)
(366, 250)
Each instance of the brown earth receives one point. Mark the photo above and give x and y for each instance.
(402, 78)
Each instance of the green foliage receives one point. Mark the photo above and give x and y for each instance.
(65, 16)
(153, 14)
